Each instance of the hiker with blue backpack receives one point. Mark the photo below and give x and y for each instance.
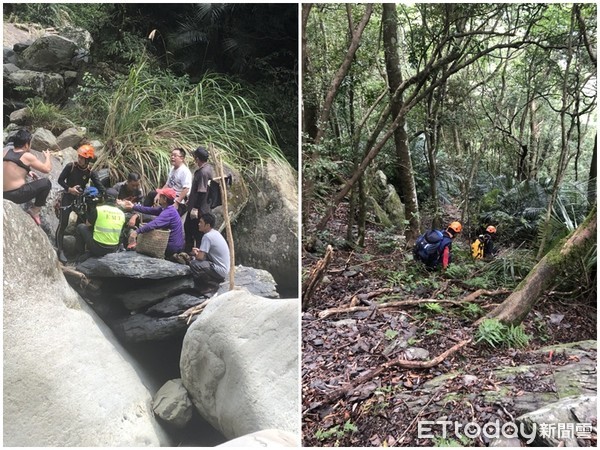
(433, 247)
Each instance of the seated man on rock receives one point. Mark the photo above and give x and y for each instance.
(17, 163)
(210, 265)
(102, 232)
(167, 219)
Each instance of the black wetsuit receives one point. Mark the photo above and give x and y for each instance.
(72, 175)
(38, 189)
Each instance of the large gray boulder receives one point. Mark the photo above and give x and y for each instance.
(132, 265)
(43, 139)
(266, 233)
(239, 363)
(51, 53)
(24, 84)
(571, 413)
(256, 281)
(67, 382)
(71, 137)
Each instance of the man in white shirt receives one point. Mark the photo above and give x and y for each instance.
(212, 259)
(180, 179)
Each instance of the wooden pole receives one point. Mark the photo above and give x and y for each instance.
(222, 183)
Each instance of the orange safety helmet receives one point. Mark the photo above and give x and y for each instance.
(491, 229)
(86, 151)
(456, 227)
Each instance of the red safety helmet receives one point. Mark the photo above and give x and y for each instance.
(86, 151)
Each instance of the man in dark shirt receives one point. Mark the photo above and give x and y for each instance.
(198, 199)
(74, 178)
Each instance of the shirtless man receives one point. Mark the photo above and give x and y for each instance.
(17, 164)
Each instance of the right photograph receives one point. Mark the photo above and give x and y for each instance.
(449, 230)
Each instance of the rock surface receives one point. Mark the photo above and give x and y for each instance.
(132, 265)
(572, 413)
(266, 233)
(172, 404)
(239, 363)
(256, 281)
(67, 382)
(264, 438)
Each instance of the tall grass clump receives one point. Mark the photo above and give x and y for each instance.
(149, 114)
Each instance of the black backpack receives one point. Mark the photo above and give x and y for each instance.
(214, 192)
(427, 247)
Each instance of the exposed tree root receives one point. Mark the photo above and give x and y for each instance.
(468, 299)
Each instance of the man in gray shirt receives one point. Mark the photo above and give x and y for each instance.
(212, 260)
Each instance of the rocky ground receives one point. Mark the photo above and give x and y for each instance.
(476, 384)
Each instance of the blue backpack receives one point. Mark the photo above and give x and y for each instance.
(428, 247)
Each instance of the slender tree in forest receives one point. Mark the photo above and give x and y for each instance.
(308, 185)
(394, 75)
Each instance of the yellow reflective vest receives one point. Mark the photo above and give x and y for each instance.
(110, 221)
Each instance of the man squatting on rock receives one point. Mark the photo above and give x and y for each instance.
(211, 262)
(17, 164)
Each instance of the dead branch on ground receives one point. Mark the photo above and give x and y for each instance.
(468, 299)
(399, 362)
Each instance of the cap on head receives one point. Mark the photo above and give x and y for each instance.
(86, 151)
(201, 153)
(111, 194)
(455, 226)
(491, 229)
(167, 192)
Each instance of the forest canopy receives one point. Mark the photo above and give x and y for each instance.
(488, 107)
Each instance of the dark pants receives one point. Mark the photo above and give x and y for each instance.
(63, 220)
(85, 238)
(193, 236)
(206, 280)
(38, 189)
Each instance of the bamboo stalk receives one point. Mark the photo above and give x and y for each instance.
(222, 184)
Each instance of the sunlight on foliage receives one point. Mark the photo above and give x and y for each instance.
(47, 115)
(149, 114)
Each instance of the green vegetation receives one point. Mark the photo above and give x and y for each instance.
(336, 431)
(495, 334)
(152, 111)
(390, 335)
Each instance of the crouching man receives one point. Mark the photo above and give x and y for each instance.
(102, 235)
(210, 265)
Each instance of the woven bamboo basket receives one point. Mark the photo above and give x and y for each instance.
(153, 243)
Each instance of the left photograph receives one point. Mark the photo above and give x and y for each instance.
(151, 225)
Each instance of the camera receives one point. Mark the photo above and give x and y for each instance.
(85, 202)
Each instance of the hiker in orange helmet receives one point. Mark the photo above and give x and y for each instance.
(433, 248)
(483, 247)
(74, 178)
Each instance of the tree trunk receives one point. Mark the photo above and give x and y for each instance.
(405, 169)
(308, 185)
(341, 74)
(564, 147)
(516, 307)
(591, 194)
(310, 105)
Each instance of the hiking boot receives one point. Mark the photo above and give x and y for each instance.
(61, 257)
